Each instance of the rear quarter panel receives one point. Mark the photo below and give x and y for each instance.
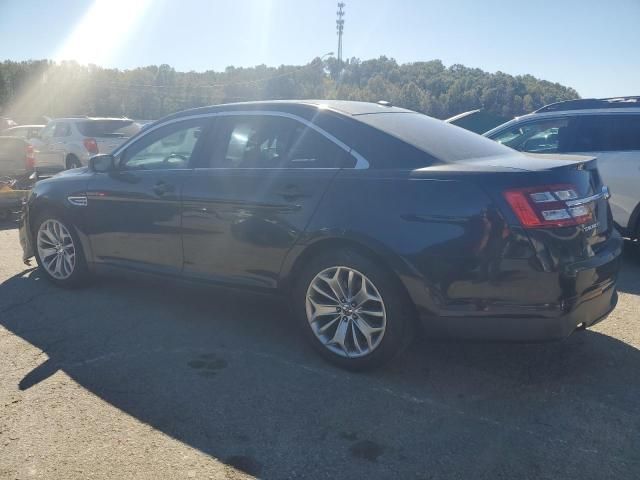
(439, 235)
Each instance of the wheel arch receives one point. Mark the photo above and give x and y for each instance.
(45, 205)
(402, 273)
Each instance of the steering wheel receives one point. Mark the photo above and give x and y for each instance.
(174, 155)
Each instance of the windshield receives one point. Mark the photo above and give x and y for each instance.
(107, 128)
(441, 140)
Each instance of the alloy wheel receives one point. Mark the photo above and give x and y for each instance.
(346, 312)
(56, 249)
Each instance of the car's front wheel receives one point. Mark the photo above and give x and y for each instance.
(58, 252)
(352, 310)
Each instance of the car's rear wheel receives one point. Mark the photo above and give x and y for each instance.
(58, 252)
(352, 311)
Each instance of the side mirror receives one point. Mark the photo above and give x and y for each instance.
(102, 163)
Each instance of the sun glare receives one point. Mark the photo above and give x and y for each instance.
(102, 31)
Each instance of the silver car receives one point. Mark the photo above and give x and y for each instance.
(31, 133)
(608, 129)
(70, 142)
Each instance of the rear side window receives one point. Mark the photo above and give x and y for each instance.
(269, 141)
(606, 133)
(442, 141)
(108, 128)
(379, 149)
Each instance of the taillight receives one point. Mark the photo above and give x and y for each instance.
(548, 206)
(91, 145)
(30, 158)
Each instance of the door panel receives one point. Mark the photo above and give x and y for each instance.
(134, 218)
(620, 171)
(614, 139)
(134, 213)
(238, 224)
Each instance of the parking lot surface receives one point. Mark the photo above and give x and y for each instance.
(151, 379)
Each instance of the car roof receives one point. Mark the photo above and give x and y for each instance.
(565, 113)
(304, 108)
(72, 119)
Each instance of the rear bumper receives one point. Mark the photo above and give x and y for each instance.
(526, 327)
(594, 279)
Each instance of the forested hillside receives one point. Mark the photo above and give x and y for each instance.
(43, 87)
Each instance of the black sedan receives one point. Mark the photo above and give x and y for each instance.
(372, 219)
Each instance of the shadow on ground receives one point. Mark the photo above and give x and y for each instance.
(226, 373)
(629, 279)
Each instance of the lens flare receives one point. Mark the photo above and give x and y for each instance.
(103, 30)
(96, 39)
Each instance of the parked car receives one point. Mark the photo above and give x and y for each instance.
(69, 142)
(16, 160)
(31, 119)
(608, 129)
(478, 121)
(30, 133)
(368, 217)
(6, 122)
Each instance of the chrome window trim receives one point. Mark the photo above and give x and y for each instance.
(361, 162)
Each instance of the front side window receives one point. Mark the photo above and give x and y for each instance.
(169, 147)
(545, 136)
(273, 142)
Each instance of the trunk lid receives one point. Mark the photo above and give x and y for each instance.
(560, 244)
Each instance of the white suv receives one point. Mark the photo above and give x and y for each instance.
(70, 142)
(608, 129)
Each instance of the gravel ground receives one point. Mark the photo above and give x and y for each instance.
(149, 379)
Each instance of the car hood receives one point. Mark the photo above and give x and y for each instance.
(73, 171)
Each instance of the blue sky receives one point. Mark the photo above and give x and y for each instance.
(591, 45)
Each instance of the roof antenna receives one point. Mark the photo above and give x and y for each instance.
(385, 103)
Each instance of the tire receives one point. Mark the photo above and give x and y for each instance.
(59, 235)
(72, 162)
(394, 312)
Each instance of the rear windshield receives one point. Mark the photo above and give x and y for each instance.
(441, 140)
(108, 128)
